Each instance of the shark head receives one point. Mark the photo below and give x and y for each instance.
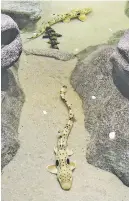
(64, 173)
(63, 169)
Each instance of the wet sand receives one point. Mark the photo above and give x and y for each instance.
(26, 177)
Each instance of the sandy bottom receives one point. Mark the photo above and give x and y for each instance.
(43, 114)
(106, 19)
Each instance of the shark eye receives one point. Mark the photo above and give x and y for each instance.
(68, 161)
(57, 162)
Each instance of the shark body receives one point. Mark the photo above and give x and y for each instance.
(63, 167)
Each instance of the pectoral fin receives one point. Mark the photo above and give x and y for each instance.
(69, 152)
(72, 165)
(60, 133)
(55, 150)
(66, 20)
(82, 17)
(52, 169)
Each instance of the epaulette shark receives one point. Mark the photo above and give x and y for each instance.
(75, 13)
(63, 167)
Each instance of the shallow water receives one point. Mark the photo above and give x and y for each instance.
(106, 19)
(26, 178)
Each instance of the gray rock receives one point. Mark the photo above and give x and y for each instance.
(123, 48)
(53, 53)
(84, 53)
(120, 65)
(25, 13)
(127, 8)
(114, 39)
(11, 42)
(106, 110)
(12, 99)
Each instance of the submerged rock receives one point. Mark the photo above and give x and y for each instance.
(120, 63)
(24, 13)
(11, 43)
(106, 111)
(52, 53)
(127, 8)
(11, 104)
(114, 39)
(12, 97)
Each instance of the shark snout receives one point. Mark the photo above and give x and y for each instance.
(66, 185)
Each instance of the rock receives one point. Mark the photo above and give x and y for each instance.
(120, 64)
(82, 54)
(11, 104)
(24, 13)
(127, 8)
(10, 42)
(114, 39)
(123, 48)
(53, 53)
(12, 97)
(106, 112)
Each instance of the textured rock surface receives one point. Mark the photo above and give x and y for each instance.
(120, 63)
(53, 53)
(114, 39)
(10, 40)
(127, 9)
(106, 111)
(12, 99)
(123, 47)
(23, 12)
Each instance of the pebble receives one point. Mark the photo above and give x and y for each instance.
(44, 112)
(112, 135)
(93, 97)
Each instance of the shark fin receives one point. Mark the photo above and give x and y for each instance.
(72, 165)
(69, 152)
(52, 169)
(82, 17)
(55, 150)
(66, 20)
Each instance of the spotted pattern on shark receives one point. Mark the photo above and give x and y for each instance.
(75, 13)
(63, 167)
